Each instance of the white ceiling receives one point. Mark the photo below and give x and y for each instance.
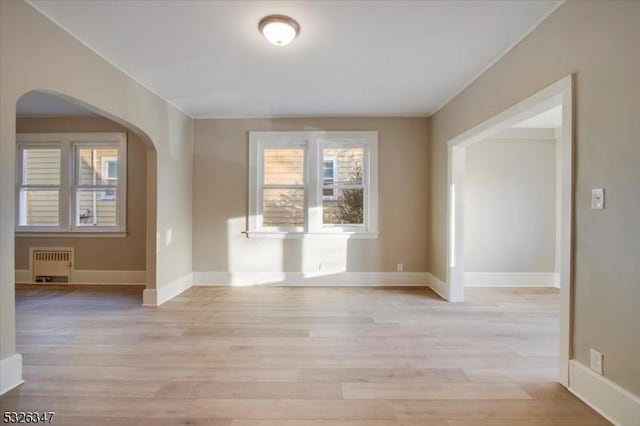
(40, 104)
(351, 57)
(549, 119)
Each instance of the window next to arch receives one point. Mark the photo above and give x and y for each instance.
(71, 183)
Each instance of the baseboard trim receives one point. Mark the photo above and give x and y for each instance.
(617, 405)
(10, 373)
(510, 279)
(93, 277)
(158, 296)
(23, 276)
(293, 279)
(439, 287)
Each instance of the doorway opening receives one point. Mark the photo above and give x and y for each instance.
(557, 101)
(85, 195)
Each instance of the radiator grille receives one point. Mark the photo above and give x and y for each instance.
(52, 256)
(52, 266)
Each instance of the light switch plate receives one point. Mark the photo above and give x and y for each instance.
(597, 199)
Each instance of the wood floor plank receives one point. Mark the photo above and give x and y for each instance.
(251, 390)
(168, 374)
(476, 410)
(304, 356)
(383, 375)
(392, 391)
(292, 409)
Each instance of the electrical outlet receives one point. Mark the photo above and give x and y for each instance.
(400, 267)
(595, 361)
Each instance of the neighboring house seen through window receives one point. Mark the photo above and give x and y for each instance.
(70, 183)
(313, 184)
(329, 179)
(109, 176)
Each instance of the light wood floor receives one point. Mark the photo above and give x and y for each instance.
(291, 357)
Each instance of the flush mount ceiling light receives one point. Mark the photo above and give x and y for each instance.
(279, 29)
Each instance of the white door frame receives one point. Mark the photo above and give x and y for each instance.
(560, 92)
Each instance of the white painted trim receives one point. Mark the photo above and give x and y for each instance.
(271, 117)
(295, 279)
(10, 373)
(502, 55)
(312, 235)
(526, 133)
(614, 403)
(560, 92)
(558, 208)
(439, 287)
(510, 279)
(157, 296)
(535, 104)
(23, 276)
(80, 276)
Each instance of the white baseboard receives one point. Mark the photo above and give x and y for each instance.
(510, 279)
(10, 373)
(617, 405)
(439, 287)
(93, 277)
(157, 296)
(292, 279)
(23, 276)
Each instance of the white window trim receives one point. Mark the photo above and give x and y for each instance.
(68, 144)
(313, 142)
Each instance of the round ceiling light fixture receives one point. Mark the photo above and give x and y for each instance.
(279, 29)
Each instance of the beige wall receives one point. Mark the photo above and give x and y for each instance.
(598, 41)
(221, 196)
(45, 57)
(509, 190)
(108, 254)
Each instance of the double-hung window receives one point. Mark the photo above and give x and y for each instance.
(71, 183)
(313, 184)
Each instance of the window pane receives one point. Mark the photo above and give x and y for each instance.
(97, 208)
(328, 178)
(283, 207)
(348, 164)
(97, 166)
(112, 169)
(41, 166)
(38, 208)
(284, 166)
(328, 170)
(346, 209)
(329, 191)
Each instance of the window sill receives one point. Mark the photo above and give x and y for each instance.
(312, 235)
(63, 234)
